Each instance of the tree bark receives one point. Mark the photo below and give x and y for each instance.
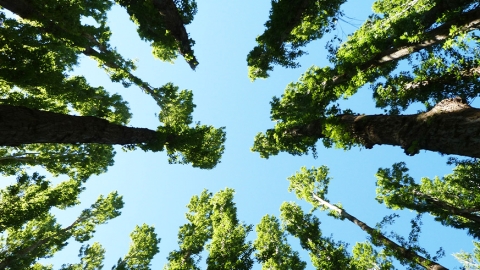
(451, 127)
(166, 9)
(21, 125)
(174, 24)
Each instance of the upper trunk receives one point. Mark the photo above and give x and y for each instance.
(378, 239)
(451, 127)
(21, 125)
(176, 27)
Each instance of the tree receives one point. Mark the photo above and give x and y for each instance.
(44, 45)
(30, 232)
(213, 226)
(311, 185)
(469, 260)
(273, 250)
(452, 199)
(292, 25)
(437, 39)
(409, 52)
(212, 218)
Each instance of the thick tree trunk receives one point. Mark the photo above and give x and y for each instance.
(18, 7)
(21, 125)
(174, 24)
(451, 127)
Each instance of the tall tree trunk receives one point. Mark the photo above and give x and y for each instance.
(176, 27)
(379, 239)
(451, 127)
(21, 125)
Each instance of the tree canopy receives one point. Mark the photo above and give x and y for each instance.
(438, 35)
(40, 49)
(54, 122)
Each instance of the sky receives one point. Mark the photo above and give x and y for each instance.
(156, 192)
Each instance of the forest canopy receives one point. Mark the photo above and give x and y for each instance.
(59, 131)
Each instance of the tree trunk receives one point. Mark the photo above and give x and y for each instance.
(176, 27)
(21, 125)
(451, 127)
(469, 21)
(378, 238)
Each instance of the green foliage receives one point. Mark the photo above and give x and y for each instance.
(292, 25)
(91, 258)
(309, 182)
(272, 249)
(30, 232)
(40, 236)
(468, 260)
(200, 145)
(366, 257)
(162, 29)
(43, 51)
(307, 111)
(187, 9)
(311, 185)
(213, 218)
(443, 73)
(143, 247)
(151, 27)
(32, 197)
(324, 252)
(452, 199)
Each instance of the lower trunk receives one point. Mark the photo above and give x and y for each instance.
(451, 127)
(21, 125)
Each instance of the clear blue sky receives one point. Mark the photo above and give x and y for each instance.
(156, 193)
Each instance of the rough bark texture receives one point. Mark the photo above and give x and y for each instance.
(166, 8)
(451, 127)
(17, 7)
(21, 125)
(174, 24)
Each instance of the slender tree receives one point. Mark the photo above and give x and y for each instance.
(213, 219)
(311, 185)
(470, 260)
(29, 231)
(272, 248)
(292, 25)
(453, 199)
(42, 236)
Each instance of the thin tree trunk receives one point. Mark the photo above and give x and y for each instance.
(379, 239)
(21, 125)
(453, 210)
(451, 127)
(447, 79)
(469, 21)
(25, 252)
